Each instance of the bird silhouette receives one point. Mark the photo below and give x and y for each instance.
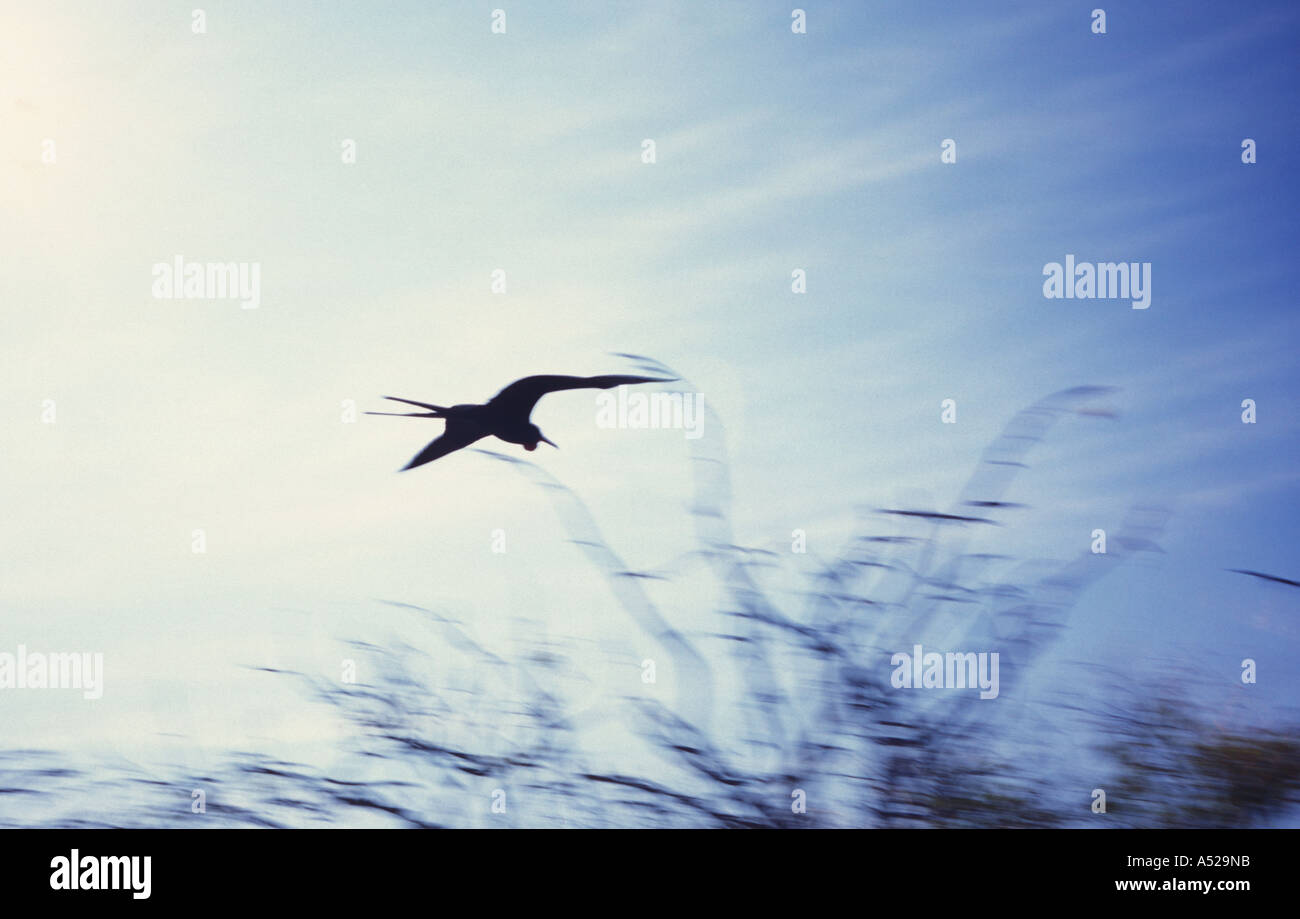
(505, 415)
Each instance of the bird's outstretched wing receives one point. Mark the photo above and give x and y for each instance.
(1266, 577)
(456, 436)
(521, 395)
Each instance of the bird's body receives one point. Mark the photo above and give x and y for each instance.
(505, 416)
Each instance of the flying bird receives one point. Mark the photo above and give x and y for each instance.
(504, 416)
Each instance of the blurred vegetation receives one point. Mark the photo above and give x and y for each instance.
(781, 714)
(1173, 766)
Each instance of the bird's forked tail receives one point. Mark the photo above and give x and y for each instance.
(435, 411)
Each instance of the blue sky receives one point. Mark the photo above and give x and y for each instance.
(521, 151)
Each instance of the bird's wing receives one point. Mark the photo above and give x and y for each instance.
(454, 438)
(521, 395)
(1266, 577)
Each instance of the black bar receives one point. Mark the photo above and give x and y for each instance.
(329, 867)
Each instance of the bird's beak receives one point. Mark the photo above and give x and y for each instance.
(551, 442)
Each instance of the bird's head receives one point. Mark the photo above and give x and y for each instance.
(535, 437)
